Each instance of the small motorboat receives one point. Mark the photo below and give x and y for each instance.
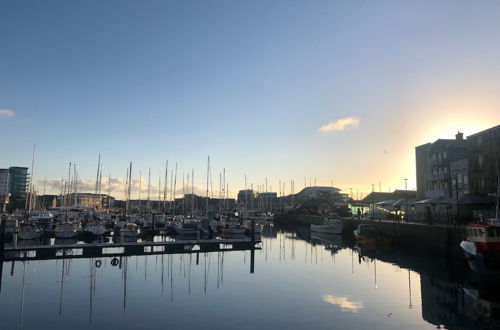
(329, 226)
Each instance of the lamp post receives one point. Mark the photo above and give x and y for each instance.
(406, 200)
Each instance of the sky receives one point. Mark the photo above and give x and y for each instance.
(339, 92)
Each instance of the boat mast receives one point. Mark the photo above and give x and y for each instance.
(159, 191)
(208, 172)
(192, 192)
(149, 191)
(31, 187)
(126, 194)
(75, 179)
(140, 188)
(175, 187)
(165, 190)
(100, 184)
(67, 192)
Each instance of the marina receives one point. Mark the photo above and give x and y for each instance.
(249, 165)
(292, 277)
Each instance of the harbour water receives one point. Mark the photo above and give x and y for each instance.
(296, 282)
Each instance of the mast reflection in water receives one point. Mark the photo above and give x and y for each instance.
(295, 281)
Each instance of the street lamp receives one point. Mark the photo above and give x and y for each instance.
(406, 200)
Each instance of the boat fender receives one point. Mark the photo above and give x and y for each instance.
(98, 263)
(114, 262)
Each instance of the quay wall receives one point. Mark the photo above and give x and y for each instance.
(436, 238)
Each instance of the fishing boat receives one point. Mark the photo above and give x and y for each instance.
(369, 234)
(482, 245)
(329, 226)
(65, 230)
(28, 231)
(130, 230)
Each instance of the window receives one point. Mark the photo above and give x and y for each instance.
(491, 232)
(465, 179)
(475, 232)
(444, 155)
(480, 160)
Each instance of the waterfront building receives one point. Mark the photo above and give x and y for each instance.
(484, 160)
(434, 167)
(87, 199)
(18, 182)
(317, 192)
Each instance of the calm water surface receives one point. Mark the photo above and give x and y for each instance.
(298, 283)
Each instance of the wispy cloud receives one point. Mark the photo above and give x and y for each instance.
(340, 125)
(344, 303)
(6, 113)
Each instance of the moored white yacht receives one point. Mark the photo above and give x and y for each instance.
(329, 226)
(65, 230)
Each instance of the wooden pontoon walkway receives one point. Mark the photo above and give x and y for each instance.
(97, 250)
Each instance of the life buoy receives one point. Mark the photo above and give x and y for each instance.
(98, 263)
(114, 262)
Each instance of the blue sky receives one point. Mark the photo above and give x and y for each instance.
(249, 83)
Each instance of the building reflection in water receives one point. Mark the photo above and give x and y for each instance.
(449, 297)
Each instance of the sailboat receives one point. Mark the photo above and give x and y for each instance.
(130, 230)
(28, 231)
(95, 228)
(65, 230)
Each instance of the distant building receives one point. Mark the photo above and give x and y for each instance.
(4, 182)
(317, 192)
(267, 201)
(87, 199)
(18, 182)
(434, 163)
(247, 197)
(484, 160)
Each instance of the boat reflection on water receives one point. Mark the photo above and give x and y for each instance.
(346, 281)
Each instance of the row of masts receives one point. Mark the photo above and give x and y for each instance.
(167, 194)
